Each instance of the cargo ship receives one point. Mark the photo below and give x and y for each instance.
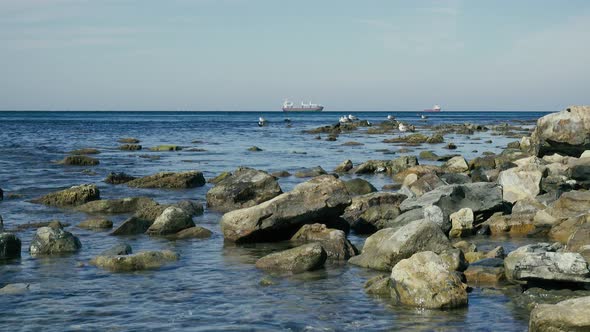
(290, 107)
(434, 108)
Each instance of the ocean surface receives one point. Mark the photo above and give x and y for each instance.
(214, 285)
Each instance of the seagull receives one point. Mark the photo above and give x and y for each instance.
(402, 127)
(390, 117)
(352, 117)
(344, 119)
(261, 122)
(424, 117)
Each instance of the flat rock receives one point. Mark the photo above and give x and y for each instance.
(116, 206)
(568, 315)
(146, 260)
(170, 180)
(96, 223)
(297, 260)
(73, 196)
(195, 232)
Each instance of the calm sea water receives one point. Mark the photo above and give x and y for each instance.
(214, 286)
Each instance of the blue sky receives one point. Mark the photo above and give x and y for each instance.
(251, 54)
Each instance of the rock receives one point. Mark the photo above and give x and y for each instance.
(428, 155)
(73, 196)
(456, 164)
(146, 260)
(465, 246)
(541, 263)
(85, 151)
(196, 232)
(133, 225)
(485, 271)
(462, 223)
(117, 250)
(344, 167)
(333, 241)
(411, 138)
(15, 289)
(118, 178)
(566, 132)
(568, 315)
(435, 138)
(388, 246)
(359, 186)
(409, 180)
(310, 172)
(323, 198)
(170, 180)
(418, 170)
(10, 246)
(513, 145)
(473, 257)
(280, 174)
(389, 166)
(166, 147)
(130, 147)
(79, 160)
(193, 208)
(485, 162)
(455, 259)
(379, 285)
(497, 252)
(254, 149)
(53, 241)
(571, 204)
(425, 281)
(304, 258)
(455, 178)
(527, 205)
(245, 187)
(561, 230)
(371, 212)
(434, 214)
(96, 223)
(426, 183)
(172, 220)
(514, 225)
(580, 238)
(128, 140)
(519, 184)
(451, 146)
(352, 143)
(222, 176)
(115, 206)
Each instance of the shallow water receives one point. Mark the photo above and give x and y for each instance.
(214, 286)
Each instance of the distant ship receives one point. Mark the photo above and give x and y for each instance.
(290, 107)
(434, 108)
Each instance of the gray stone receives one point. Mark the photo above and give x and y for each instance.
(118, 250)
(359, 186)
(10, 246)
(371, 212)
(171, 221)
(568, 315)
(170, 180)
(53, 241)
(333, 241)
(297, 260)
(146, 260)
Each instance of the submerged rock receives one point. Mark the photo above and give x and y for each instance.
(333, 241)
(118, 178)
(10, 246)
(170, 180)
(114, 206)
(193, 208)
(297, 260)
(196, 232)
(73, 196)
(53, 241)
(485, 271)
(79, 160)
(146, 260)
(310, 172)
(85, 151)
(344, 167)
(96, 223)
(323, 198)
(128, 140)
(568, 315)
(166, 147)
(130, 147)
(245, 187)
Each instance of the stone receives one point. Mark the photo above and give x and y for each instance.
(10, 246)
(359, 186)
(455, 259)
(53, 241)
(96, 223)
(428, 155)
(485, 271)
(133, 225)
(15, 289)
(485, 162)
(310, 172)
(580, 238)
(304, 258)
(519, 184)
(118, 250)
(128, 140)
(245, 187)
(166, 147)
(497, 252)
(118, 178)
(379, 285)
(462, 223)
(455, 178)
(254, 149)
(456, 164)
(344, 167)
(418, 170)
(568, 315)
(424, 281)
(527, 205)
(371, 212)
(145, 260)
(333, 241)
(514, 225)
(195, 232)
(388, 246)
(193, 208)
(281, 174)
(85, 151)
(570, 204)
(73, 196)
(386, 166)
(130, 147)
(79, 160)
(170, 180)
(409, 180)
(172, 220)
(426, 183)
(435, 138)
(116, 206)
(322, 198)
(434, 214)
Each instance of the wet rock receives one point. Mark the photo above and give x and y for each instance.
(245, 187)
(128, 140)
(566, 132)
(359, 186)
(297, 260)
(115, 206)
(310, 172)
(323, 198)
(53, 241)
(172, 220)
(568, 315)
(170, 180)
(222, 176)
(451, 146)
(456, 164)
(462, 223)
(425, 281)
(254, 149)
(485, 271)
(96, 223)
(166, 147)
(130, 147)
(79, 160)
(146, 260)
(118, 178)
(10, 246)
(118, 250)
(388, 246)
(73, 196)
(411, 138)
(379, 285)
(371, 212)
(333, 241)
(196, 232)
(465, 246)
(435, 138)
(428, 155)
(85, 151)
(193, 208)
(386, 166)
(133, 225)
(426, 183)
(344, 167)
(352, 143)
(514, 225)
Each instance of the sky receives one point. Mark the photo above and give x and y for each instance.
(206, 55)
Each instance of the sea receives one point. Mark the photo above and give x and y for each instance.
(214, 286)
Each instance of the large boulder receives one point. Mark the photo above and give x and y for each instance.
(297, 260)
(520, 183)
(53, 241)
(172, 220)
(245, 187)
(73, 196)
(114, 206)
(568, 315)
(426, 183)
(566, 132)
(511, 224)
(388, 246)
(10, 246)
(571, 204)
(321, 199)
(424, 281)
(333, 241)
(146, 260)
(371, 212)
(170, 180)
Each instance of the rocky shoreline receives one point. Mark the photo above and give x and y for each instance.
(421, 235)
